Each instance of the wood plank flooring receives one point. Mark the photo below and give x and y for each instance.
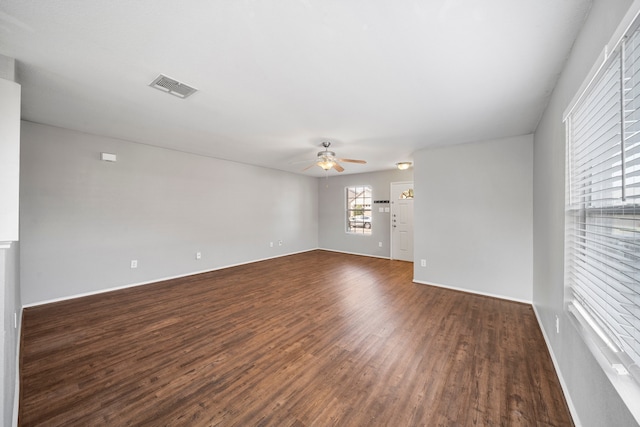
(314, 339)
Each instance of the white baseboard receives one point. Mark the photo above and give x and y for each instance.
(353, 253)
(486, 294)
(159, 279)
(16, 389)
(563, 384)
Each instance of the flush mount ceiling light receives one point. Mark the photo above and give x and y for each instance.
(173, 87)
(403, 165)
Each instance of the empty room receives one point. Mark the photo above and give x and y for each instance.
(320, 213)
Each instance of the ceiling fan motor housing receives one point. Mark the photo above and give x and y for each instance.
(326, 153)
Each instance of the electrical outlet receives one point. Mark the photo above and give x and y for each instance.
(423, 263)
(279, 242)
(379, 244)
(270, 244)
(134, 263)
(198, 255)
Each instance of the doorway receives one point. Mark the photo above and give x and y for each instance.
(402, 221)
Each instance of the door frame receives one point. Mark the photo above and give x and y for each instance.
(391, 200)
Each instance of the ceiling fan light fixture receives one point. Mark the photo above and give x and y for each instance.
(403, 165)
(327, 160)
(326, 164)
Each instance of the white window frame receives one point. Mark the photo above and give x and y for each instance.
(596, 208)
(359, 231)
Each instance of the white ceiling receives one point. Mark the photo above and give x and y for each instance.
(380, 79)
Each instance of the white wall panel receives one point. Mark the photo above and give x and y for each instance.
(473, 217)
(9, 159)
(83, 219)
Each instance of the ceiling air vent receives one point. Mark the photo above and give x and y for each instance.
(174, 87)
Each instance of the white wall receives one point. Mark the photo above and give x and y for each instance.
(9, 158)
(9, 282)
(83, 220)
(594, 401)
(332, 216)
(9, 278)
(473, 217)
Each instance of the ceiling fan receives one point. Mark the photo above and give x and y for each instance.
(327, 160)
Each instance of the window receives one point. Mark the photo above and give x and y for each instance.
(407, 194)
(359, 218)
(602, 240)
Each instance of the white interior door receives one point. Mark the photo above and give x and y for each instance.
(402, 221)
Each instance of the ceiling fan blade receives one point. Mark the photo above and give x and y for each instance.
(337, 167)
(353, 161)
(308, 167)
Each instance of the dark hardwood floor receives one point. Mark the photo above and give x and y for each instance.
(314, 339)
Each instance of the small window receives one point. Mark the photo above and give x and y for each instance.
(359, 218)
(407, 194)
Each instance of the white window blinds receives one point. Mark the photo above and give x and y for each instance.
(602, 242)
